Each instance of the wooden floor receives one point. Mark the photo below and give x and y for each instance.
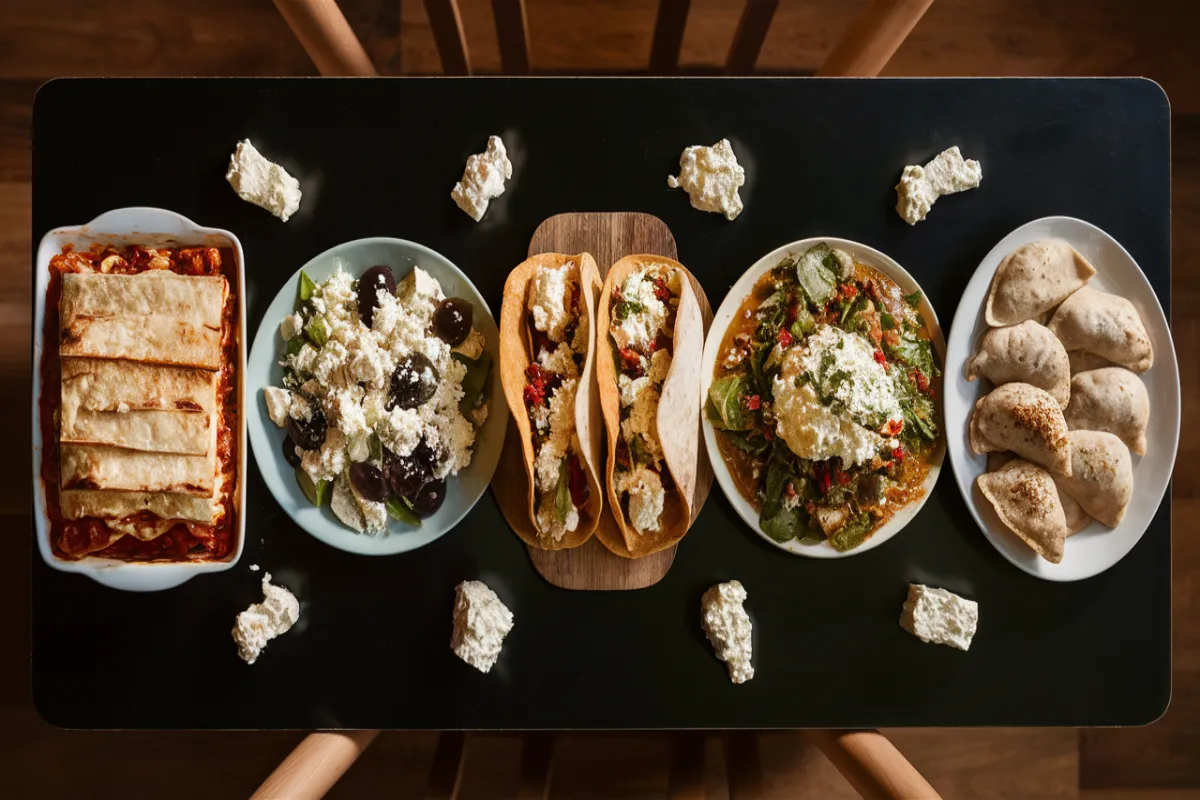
(44, 38)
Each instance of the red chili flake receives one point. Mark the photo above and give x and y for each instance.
(768, 434)
(785, 338)
(791, 490)
(881, 359)
(824, 481)
(534, 395)
(661, 291)
(841, 477)
(849, 290)
(754, 402)
(918, 377)
(898, 454)
(633, 361)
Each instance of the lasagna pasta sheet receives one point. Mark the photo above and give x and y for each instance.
(77, 504)
(158, 317)
(152, 431)
(94, 467)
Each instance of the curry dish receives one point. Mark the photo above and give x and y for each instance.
(823, 399)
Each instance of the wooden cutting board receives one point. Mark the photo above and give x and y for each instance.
(608, 237)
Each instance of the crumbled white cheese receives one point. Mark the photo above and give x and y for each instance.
(327, 462)
(842, 366)
(643, 418)
(279, 403)
(262, 622)
(263, 183)
(548, 297)
(640, 328)
(711, 176)
(728, 628)
(561, 421)
(938, 616)
(814, 432)
(481, 621)
(290, 326)
(920, 187)
(561, 360)
(483, 179)
(646, 496)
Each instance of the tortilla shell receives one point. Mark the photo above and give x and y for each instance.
(103, 385)
(157, 316)
(77, 503)
(678, 412)
(515, 357)
(117, 469)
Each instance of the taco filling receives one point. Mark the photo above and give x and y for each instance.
(642, 325)
(559, 337)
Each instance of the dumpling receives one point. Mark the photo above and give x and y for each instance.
(1083, 361)
(1077, 519)
(1026, 500)
(1024, 353)
(1106, 325)
(1101, 475)
(1025, 420)
(1033, 279)
(1111, 399)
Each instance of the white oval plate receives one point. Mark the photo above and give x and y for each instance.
(155, 227)
(733, 300)
(462, 491)
(1096, 548)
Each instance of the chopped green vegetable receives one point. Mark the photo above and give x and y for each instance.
(627, 307)
(316, 332)
(777, 521)
(317, 493)
(295, 345)
(728, 411)
(915, 353)
(562, 494)
(816, 279)
(306, 288)
(399, 508)
(887, 322)
(778, 298)
(376, 447)
(479, 370)
(804, 324)
(913, 299)
(749, 442)
(851, 534)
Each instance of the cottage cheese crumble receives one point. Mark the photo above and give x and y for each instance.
(262, 622)
(938, 616)
(727, 626)
(920, 187)
(262, 182)
(711, 176)
(481, 622)
(483, 179)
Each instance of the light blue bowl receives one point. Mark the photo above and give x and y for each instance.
(263, 369)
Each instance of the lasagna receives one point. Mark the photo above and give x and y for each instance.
(140, 416)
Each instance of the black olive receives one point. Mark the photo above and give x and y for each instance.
(425, 455)
(289, 452)
(406, 475)
(414, 382)
(452, 320)
(374, 279)
(310, 434)
(429, 499)
(368, 480)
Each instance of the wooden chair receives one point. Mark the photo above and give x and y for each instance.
(872, 765)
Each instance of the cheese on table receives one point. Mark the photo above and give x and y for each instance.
(920, 187)
(481, 621)
(728, 628)
(938, 616)
(483, 179)
(262, 622)
(711, 176)
(263, 183)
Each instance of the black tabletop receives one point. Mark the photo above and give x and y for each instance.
(379, 157)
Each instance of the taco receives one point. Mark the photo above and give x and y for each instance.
(648, 372)
(546, 367)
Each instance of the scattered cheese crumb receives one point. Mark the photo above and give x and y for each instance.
(483, 179)
(728, 628)
(920, 187)
(938, 616)
(262, 182)
(481, 621)
(262, 622)
(711, 176)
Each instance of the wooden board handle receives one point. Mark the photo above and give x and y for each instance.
(326, 37)
(873, 765)
(873, 37)
(314, 766)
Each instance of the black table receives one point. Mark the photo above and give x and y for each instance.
(378, 157)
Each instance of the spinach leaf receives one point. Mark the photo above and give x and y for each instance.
(316, 332)
(376, 447)
(851, 534)
(749, 442)
(913, 299)
(804, 324)
(295, 345)
(562, 494)
(914, 352)
(729, 413)
(305, 289)
(814, 276)
(475, 381)
(780, 523)
(401, 509)
(758, 360)
(777, 298)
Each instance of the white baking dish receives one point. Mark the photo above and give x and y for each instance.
(153, 227)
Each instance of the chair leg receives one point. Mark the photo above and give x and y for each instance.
(873, 38)
(873, 765)
(445, 774)
(315, 765)
(537, 766)
(742, 765)
(326, 37)
(685, 780)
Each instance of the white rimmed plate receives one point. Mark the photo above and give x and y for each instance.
(153, 227)
(1096, 548)
(462, 491)
(733, 300)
